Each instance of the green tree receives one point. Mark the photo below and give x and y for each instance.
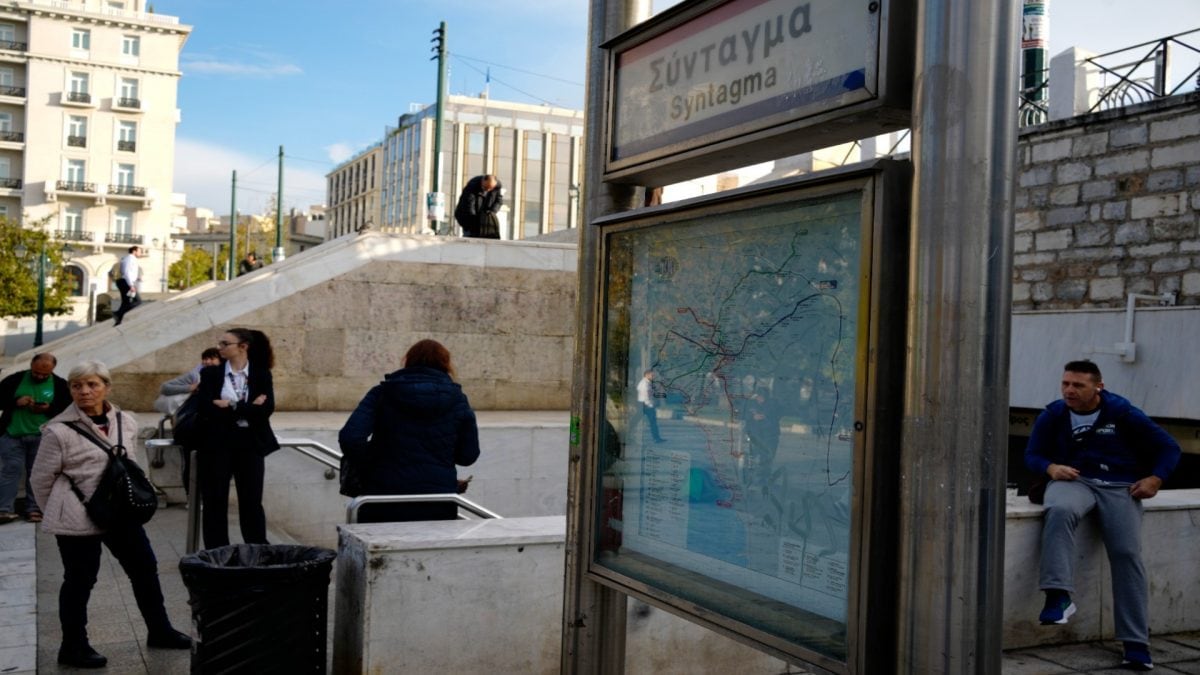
(19, 270)
(193, 267)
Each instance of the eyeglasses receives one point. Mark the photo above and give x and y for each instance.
(223, 344)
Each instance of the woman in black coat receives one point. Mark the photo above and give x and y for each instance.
(236, 402)
(409, 432)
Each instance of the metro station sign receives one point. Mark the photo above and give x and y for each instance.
(717, 84)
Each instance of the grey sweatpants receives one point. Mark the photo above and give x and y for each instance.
(1120, 519)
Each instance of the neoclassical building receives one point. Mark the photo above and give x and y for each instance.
(87, 129)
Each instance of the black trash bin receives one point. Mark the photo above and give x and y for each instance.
(258, 608)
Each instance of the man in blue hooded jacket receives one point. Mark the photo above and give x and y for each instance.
(1103, 454)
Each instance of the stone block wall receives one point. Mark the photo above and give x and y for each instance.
(510, 332)
(1109, 204)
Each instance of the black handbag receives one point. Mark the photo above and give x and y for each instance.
(124, 495)
(187, 429)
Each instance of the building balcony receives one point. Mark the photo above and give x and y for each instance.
(122, 238)
(10, 183)
(127, 146)
(73, 235)
(134, 191)
(14, 46)
(11, 91)
(127, 104)
(77, 141)
(8, 138)
(78, 99)
(76, 187)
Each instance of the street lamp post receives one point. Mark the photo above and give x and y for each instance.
(165, 243)
(41, 289)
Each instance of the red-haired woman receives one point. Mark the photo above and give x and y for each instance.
(409, 432)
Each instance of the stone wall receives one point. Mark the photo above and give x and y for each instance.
(1109, 204)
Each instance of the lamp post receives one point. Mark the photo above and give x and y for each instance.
(40, 268)
(165, 242)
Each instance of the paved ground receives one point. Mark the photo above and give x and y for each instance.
(30, 573)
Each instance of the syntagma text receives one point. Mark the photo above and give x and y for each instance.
(714, 95)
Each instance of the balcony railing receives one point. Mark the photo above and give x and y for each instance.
(79, 97)
(72, 235)
(77, 141)
(129, 103)
(1149, 77)
(10, 90)
(122, 238)
(10, 183)
(127, 190)
(12, 136)
(127, 146)
(75, 186)
(14, 46)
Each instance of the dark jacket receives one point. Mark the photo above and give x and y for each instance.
(1124, 445)
(8, 398)
(474, 204)
(220, 424)
(410, 431)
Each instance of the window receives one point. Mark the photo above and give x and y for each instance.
(6, 77)
(131, 45)
(74, 276)
(76, 170)
(123, 222)
(81, 39)
(8, 32)
(3, 210)
(127, 136)
(77, 88)
(77, 131)
(4, 167)
(116, 4)
(129, 92)
(6, 121)
(125, 175)
(72, 220)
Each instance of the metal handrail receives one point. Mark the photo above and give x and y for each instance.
(332, 459)
(354, 504)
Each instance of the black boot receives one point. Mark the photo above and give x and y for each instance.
(169, 638)
(81, 656)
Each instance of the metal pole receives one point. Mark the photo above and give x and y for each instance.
(277, 255)
(193, 524)
(41, 296)
(232, 227)
(593, 615)
(954, 455)
(439, 115)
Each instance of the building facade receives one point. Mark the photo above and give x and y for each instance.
(535, 151)
(353, 189)
(87, 130)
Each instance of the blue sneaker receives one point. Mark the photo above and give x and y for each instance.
(1058, 609)
(1137, 657)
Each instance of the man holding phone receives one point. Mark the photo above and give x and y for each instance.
(29, 399)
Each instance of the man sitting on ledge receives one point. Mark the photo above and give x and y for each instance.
(1103, 454)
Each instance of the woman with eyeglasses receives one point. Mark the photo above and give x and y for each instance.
(237, 398)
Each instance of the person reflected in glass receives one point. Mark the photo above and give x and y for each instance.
(409, 432)
(66, 461)
(237, 400)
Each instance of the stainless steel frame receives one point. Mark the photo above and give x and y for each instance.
(356, 503)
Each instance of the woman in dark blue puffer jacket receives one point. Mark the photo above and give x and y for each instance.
(409, 432)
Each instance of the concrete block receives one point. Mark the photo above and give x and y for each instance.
(1022, 243)
(1051, 151)
(1106, 289)
(1090, 144)
(1038, 175)
(1092, 235)
(1141, 286)
(1025, 259)
(1176, 127)
(1170, 284)
(1020, 292)
(1065, 195)
(1042, 292)
(1026, 221)
(1134, 267)
(1114, 210)
(1175, 155)
(1054, 240)
(1066, 216)
(1183, 227)
(1158, 205)
(1021, 200)
(1033, 275)
(1109, 270)
(1071, 290)
(1193, 176)
(1133, 134)
(1168, 265)
(1163, 181)
(1129, 162)
(1075, 254)
(1136, 232)
(1151, 250)
(1191, 283)
(1097, 189)
(1039, 197)
(1191, 246)
(1073, 172)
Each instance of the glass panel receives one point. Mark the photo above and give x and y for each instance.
(125, 174)
(129, 88)
(6, 77)
(8, 32)
(79, 83)
(128, 131)
(72, 220)
(74, 277)
(130, 45)
(76, 170)
(78, 126)
(123, 222)
(81, 39)
(729, 381)
(5, 121)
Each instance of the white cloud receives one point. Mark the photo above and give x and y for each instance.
(235, 69)
(339, 152)
(204, 173)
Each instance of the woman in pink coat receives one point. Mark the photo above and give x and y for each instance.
(65, 455)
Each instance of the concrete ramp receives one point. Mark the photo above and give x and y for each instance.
(342, 314)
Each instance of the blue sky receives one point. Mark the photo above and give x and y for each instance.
(323, 78)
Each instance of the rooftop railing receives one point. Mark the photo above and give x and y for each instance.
(1148, 76)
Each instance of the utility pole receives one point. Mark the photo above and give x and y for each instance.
(435, 197)
(277, 255)
(232, 227)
